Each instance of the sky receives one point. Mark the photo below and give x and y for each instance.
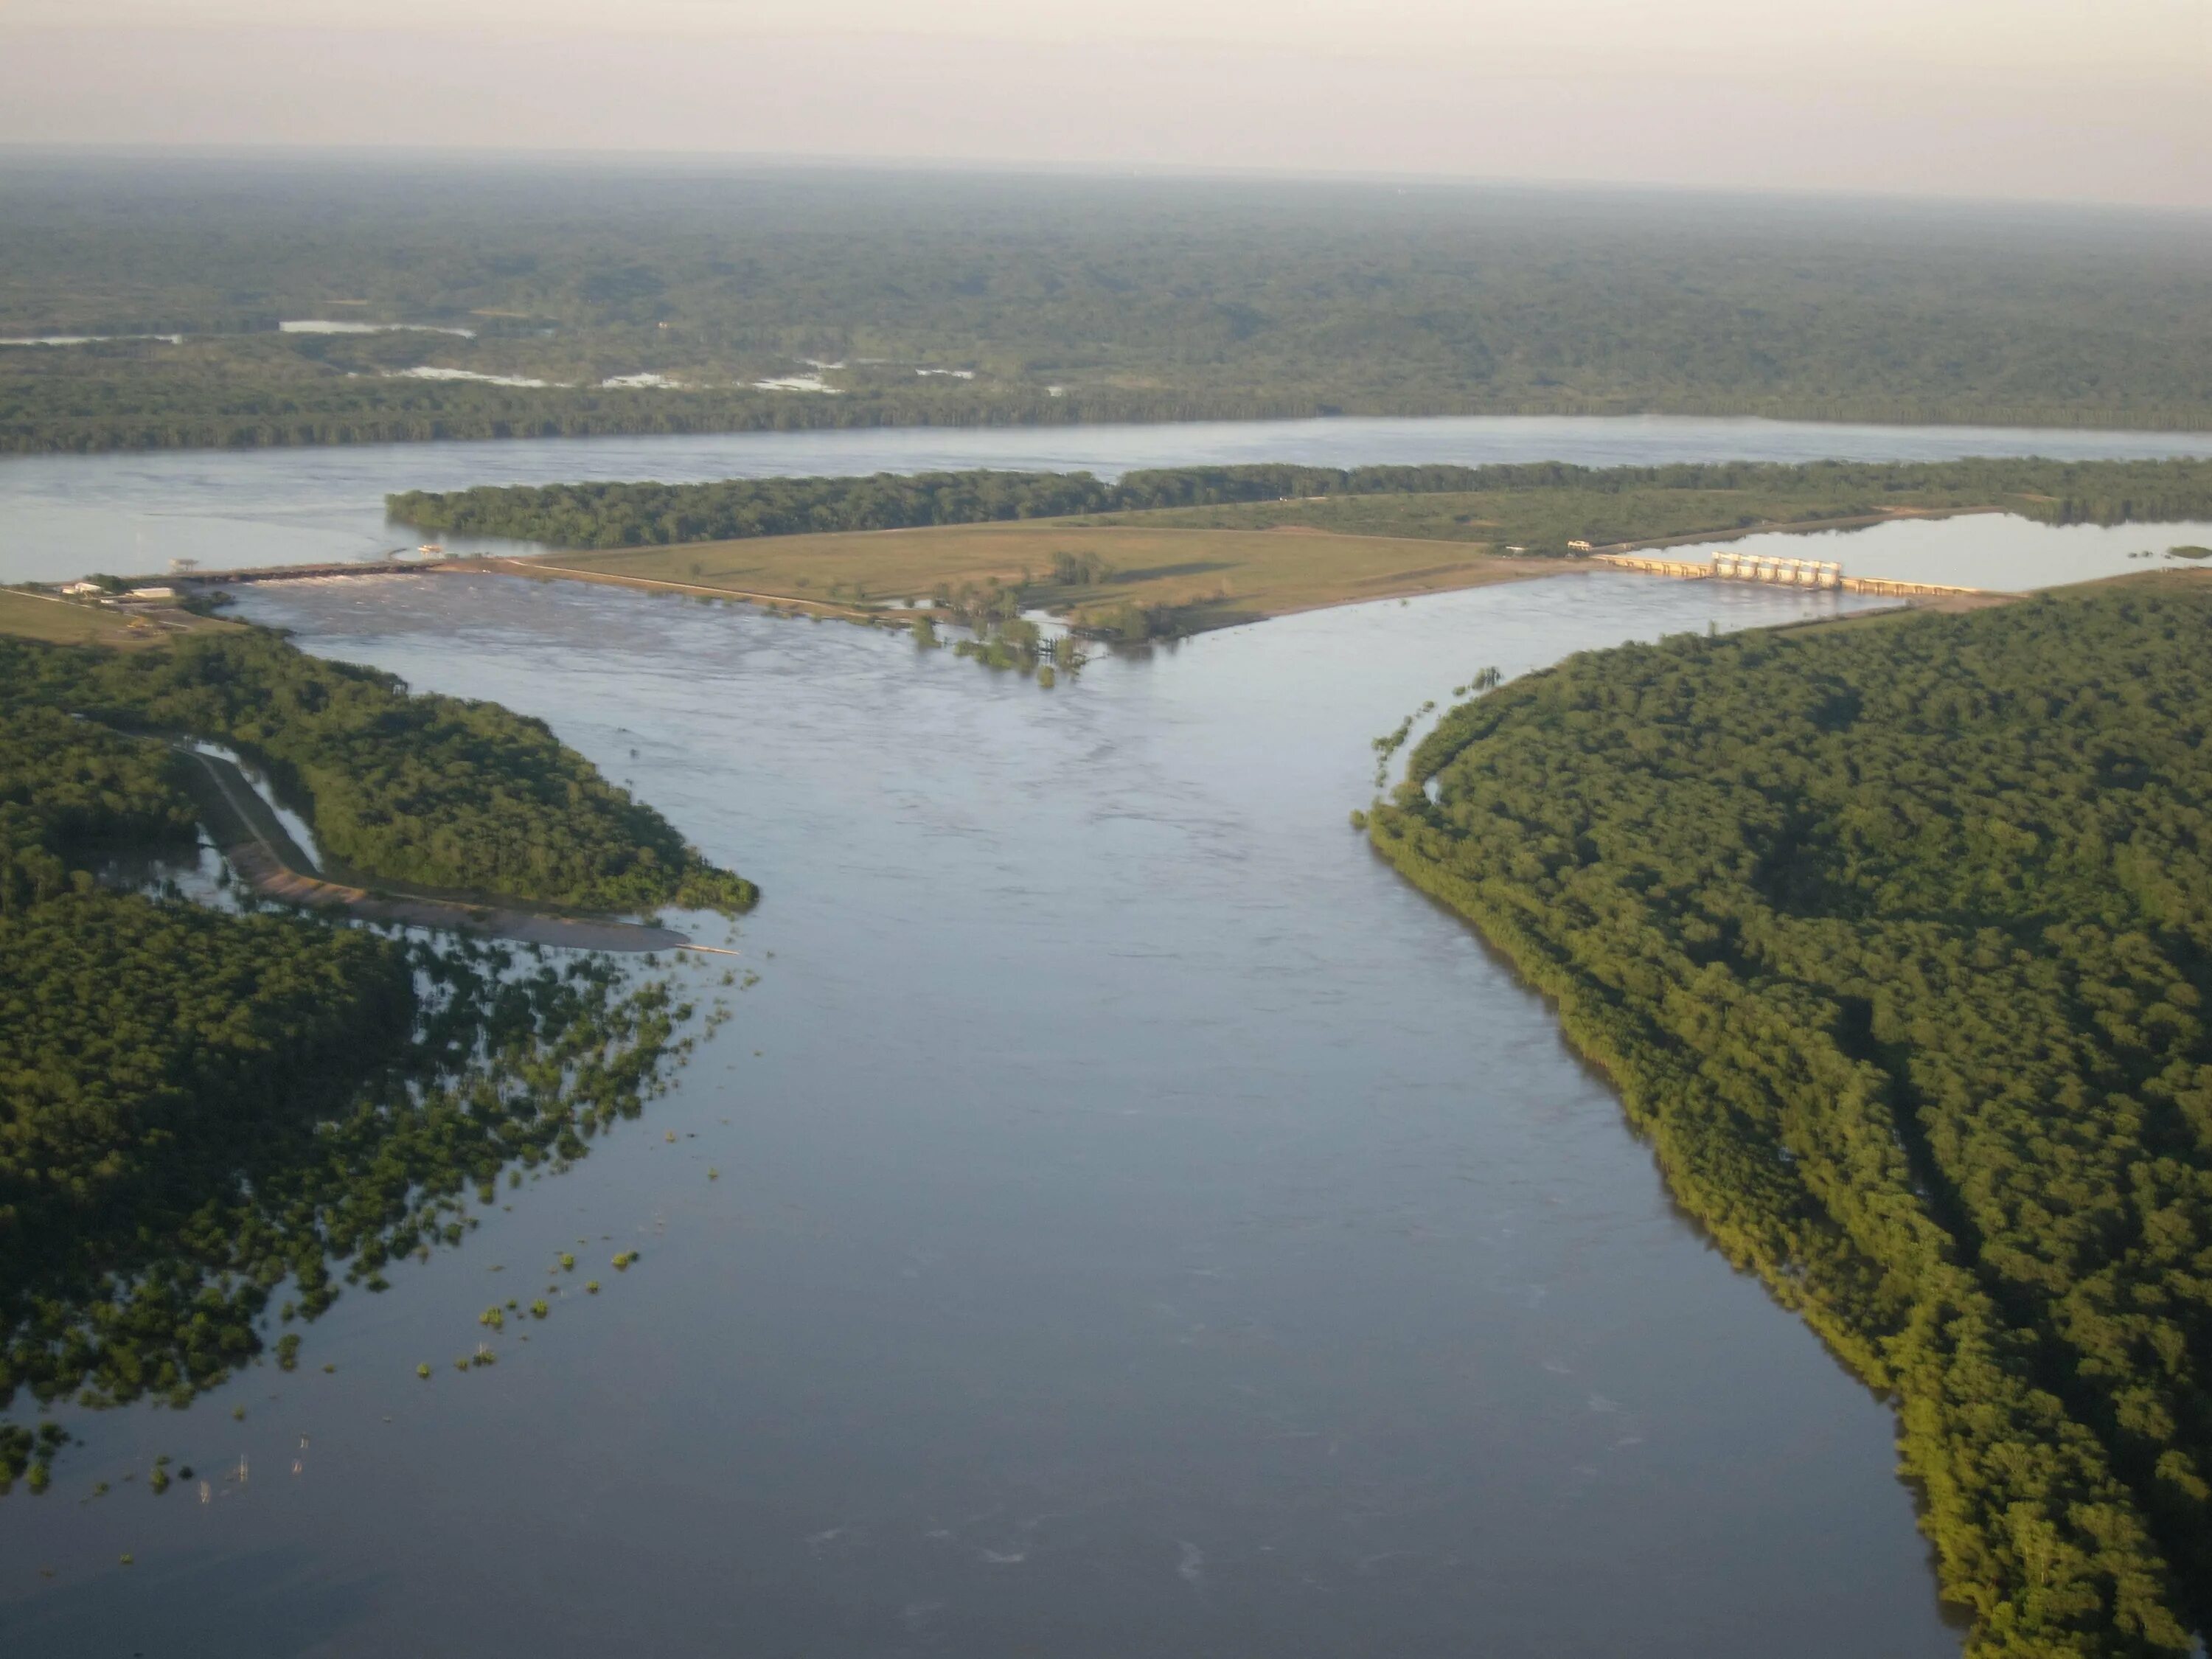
(2050, 100)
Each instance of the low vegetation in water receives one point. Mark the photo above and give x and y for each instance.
(1897, 940)
(205, 1106)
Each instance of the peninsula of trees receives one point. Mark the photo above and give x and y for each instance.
(1897, 938)
(415, 788)
(204, 1104)
(520, 301)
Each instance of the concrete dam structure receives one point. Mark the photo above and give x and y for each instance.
(1825, 574)
(1790, 573)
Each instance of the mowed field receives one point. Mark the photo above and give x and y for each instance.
(1211, 577)
(27, 617)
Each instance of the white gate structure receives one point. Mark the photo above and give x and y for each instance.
(1825, 575)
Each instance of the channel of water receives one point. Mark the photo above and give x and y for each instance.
(1143, 1225)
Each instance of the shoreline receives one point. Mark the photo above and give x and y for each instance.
(265, 858)
(777, 418)
(1798, 527)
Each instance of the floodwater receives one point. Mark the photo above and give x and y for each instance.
(1144, 1226)
(64, 516)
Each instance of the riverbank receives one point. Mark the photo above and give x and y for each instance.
(412, 410)
(1815, 1051)
(265, 857)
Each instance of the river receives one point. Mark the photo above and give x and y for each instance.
(1144, 1224)
(65, 516)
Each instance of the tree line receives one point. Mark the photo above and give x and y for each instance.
(1897, 939)
(643, 514)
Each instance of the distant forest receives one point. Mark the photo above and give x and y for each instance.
(659, 301)
(1897, 937)
(1603, 502)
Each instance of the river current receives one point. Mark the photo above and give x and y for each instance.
(1143, 1225)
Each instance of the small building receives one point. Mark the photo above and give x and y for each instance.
(150, 594)
(79, 590)
(1579, 547)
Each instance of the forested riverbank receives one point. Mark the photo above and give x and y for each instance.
(1895, 936)
(205, 1104)
(1537, 507)
(86, 401)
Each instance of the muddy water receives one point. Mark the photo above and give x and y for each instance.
(1143, 1225)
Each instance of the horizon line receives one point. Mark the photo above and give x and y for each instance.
(614, 159)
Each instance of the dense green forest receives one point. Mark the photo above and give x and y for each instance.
(1543, 504)
(623, 298)
(421, 789)
(658, 515)
(201, 1105)
(1897, 938)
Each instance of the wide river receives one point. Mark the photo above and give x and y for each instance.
(64, 516)
(1144, 1225)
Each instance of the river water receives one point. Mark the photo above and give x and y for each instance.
(1144, 1224)
(65, 516)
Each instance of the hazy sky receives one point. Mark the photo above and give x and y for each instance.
(2022, 98)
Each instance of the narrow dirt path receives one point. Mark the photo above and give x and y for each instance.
(255, 855)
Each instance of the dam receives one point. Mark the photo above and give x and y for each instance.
(1826, 575)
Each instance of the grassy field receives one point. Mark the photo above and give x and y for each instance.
(27, 617)
(1209, 578)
